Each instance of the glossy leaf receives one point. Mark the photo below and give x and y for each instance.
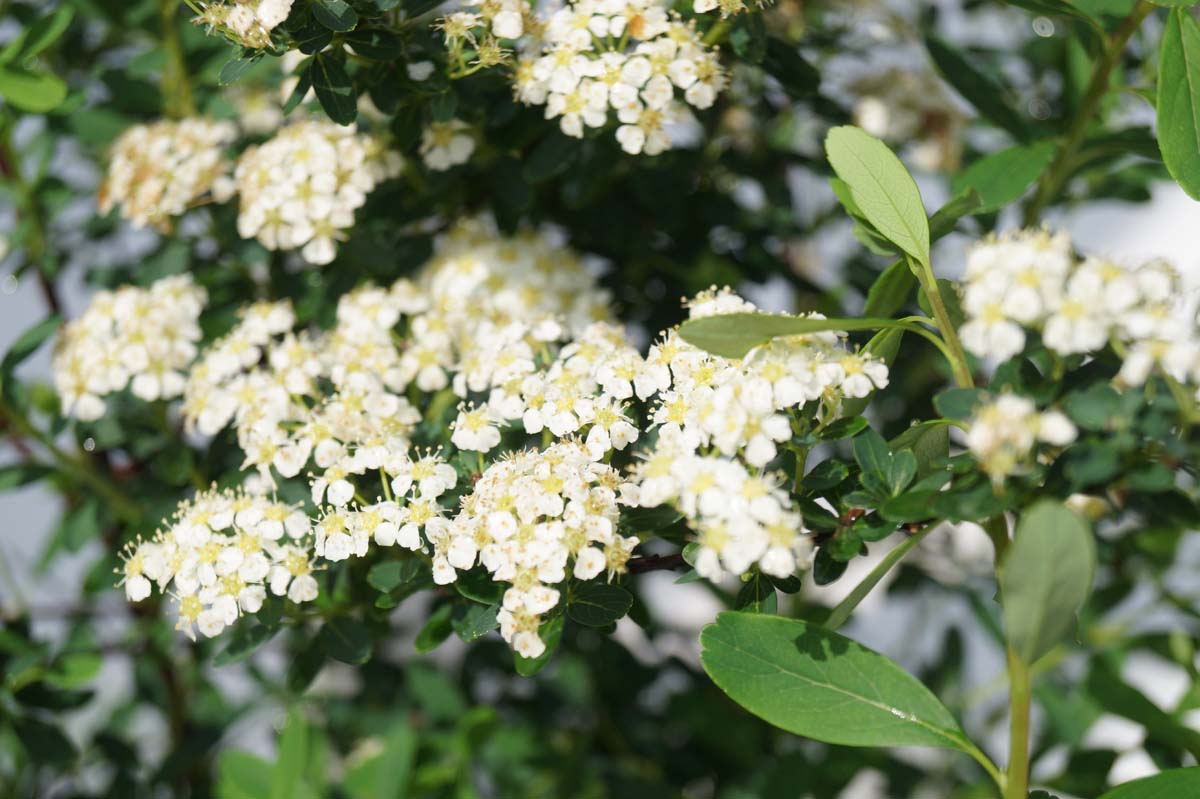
(599, 604)
(1179, 100)
(821, 685)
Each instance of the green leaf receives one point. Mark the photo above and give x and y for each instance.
(289, 768)
(334, 90)
(928, 441)
(376, 43)
(976, 87)
(1173, 784)
(347, 640)
(1003, 176)
(1105, 688)
(391, 574)
(959, 403)
(245, 639)
(872, 454)
(821, 685)
(304, 667)
(236, 67)
(241, 775)
(881, 187)
(477, 621)
(27, 344)
(599, 604)
(22, 474)
(437, 629)
(45, 742)
(1179, 100)
(757, 595)
(552, 157)
(45, 32)
(31, 90)
(1046, 577)
(784, 62)
(387, 774)
(964, 203)
(891, 290)
(337, 15)
(733, 335)
(550, 632)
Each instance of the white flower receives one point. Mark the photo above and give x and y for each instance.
(475, 429)
(446, 144)
(159, 171)
(299, 190)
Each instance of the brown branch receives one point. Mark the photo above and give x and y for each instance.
(651, 563)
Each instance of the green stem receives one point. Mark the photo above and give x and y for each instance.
(717, 32)
(1052, 180)
(121, 504)
(953, 350)
(1016, 782)
(177, 88)
(842, 612)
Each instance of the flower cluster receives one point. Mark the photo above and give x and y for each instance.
(1003, 432)
(1032, 280)
(220, 554)
(301, 188)
(591, 59)
(160, 170)
(531, 520)
(141, 337)
(247, 22)
(719, 424)
(524, 479)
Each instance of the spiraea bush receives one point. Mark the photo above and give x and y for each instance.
(422, 396)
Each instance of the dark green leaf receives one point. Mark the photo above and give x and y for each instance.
(337, 15)
(245, 639)
(598, 604)
(347, 640)
(376, 43)
(891, 290)
(436, 630)
(236, 67)
(976, 87)
(334, 89)
(476, 622)
(757, 595)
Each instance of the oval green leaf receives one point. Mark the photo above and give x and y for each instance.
(1179, 100)
(1004, 176)
(1046, 577)
(881, 187)
(598, 604)
(821, 685)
